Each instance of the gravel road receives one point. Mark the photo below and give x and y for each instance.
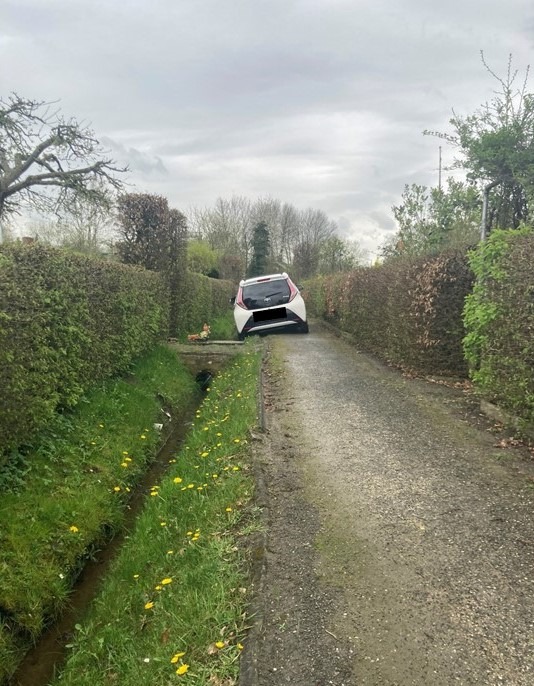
(400, 538)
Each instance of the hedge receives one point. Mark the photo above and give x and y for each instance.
(68, 322)
(201, 300)
(407, 312)
(499, 320)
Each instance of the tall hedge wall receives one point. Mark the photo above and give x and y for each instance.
(200, 300)
(66, 322)
(407, 312)
(499, 319)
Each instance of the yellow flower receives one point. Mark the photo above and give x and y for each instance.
(240, 646)
(237, 440)
(125, 452)
(166, 580)
(190, 485)
(219, 645)
(204, 454)
(149, 606)
(124, 464)
(143, 436)
(182, 669)
(163, 523)
(176, 657)
(127, 459)
(158, 587)
(219, 433)
(116, 489)
(101, 426)
(136, 576)
(228, 509)
(74, 529)
(170, 552)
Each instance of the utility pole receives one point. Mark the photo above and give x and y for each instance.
(439, 169)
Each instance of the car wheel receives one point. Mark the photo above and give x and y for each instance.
(304, 328)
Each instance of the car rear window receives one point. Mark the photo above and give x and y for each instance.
(266, 294)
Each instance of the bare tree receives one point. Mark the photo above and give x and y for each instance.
(46, 160)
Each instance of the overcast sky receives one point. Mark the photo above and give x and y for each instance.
(320, 103)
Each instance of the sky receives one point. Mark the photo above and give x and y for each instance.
(319, 103)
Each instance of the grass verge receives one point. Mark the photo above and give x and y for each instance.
(69, 492)
(171, 609)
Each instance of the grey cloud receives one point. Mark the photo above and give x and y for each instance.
(318, 102)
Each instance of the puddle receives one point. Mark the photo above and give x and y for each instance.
(43, 661)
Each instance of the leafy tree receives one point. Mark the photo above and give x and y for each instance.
(339, 255)
(46, 160)
(433, 219)
(260, 250)
(496, 144)
(201, 258)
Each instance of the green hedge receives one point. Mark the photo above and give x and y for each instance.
(406, 312)
(201, 299)
(499, 320)
(67, 322)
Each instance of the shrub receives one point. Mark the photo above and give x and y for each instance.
(499, 320)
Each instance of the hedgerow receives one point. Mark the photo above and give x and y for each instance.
(407, 312)
(499, 320)
(68, 322)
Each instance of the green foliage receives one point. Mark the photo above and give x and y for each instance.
(407, 312)
(201, 300)
(73, 487)
(499, 320)
(67, 322)
(496, 145)
(202, 502)
(260, 250)
(201, 258)
(435, 219)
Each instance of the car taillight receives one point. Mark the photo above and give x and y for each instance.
(293, 290)
(239, 299)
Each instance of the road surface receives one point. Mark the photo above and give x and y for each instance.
(400, 539)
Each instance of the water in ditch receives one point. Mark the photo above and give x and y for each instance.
(44, 660)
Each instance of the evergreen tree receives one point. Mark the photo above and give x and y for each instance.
(260, 250)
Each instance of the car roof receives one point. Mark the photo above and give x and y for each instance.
(266, 277)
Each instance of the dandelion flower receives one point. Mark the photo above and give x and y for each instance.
(116, 489)
(166, 580)
(182, 669)
(143, 436)
(176, 657)
(240, 646)
(237, 440)
(228, 509)
(74, 529)
(149, 605)
(163, 523)
(219, 645)
(136, 576)
(124, 464)
(177, 480)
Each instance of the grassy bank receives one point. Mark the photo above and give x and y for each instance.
(171, 609)
(68, 492)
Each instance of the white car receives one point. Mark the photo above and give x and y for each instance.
(267, 303)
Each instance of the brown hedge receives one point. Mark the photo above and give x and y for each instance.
(408, 313)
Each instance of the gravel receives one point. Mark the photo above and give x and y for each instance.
(400, 540)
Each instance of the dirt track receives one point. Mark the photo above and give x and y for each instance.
(400, 542)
